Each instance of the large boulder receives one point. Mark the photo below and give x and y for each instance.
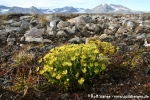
(50, 31)
(131, 24)
(25, 18)
(75, 40)
(108, 32)
(34, 34)
(25, 25)
(92, 27)
(70, 30)
(81, 20)
(63, 24)
(53, 25)
(61, 34)
(50, 18)
(16, 24)
(113, 27)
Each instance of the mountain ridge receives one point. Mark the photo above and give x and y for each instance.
(102, 8)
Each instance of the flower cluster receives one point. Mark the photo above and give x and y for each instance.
(74, 63)
(104, 47)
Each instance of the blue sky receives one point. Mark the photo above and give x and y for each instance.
(142, 5)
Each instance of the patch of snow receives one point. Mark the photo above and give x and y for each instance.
(4, 10)
(118, 8)
(80, 10)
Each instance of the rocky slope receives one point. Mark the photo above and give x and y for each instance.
(37, 34)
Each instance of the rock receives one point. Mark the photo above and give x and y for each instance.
(3, 34)
(147, 23)
(70, 30)
(63, 96)
(16, 24)
(138, 29)
(34, 32)
(75, 40)
(33, 39)
(130, 25)
(103, 36)
(34, 35)
(104, 25)
(46, 41)
(11, 39)
(50, 31)
(124, 23)
(141, 36)
(113, 27)
(3, 37)
(147, 72)
(147, 35)
(121, 30)
(24, 25)
(81, 20)
(146, 58)
(63, 24)
(61, 34)
(22, 39)
(52, 18)
(26, 18)
(92, 27)
(53, 25)
(34, 20)
(108, 32)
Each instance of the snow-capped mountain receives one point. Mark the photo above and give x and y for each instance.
(9, 10)
(112, 8)
(102, 8)
(3, 9)
(64, 10)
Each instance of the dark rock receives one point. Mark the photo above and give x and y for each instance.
(146, 58)
(147, 72)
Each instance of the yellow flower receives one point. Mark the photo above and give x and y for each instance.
(42, 71)
(73, 58)
(92, 58)
(76, 54)
(58, 76)
(96, 71)
(54, 74)
(91, 64)
(67, 79)
(37, 69)
(96, 51)
(82, 61)
(103, 67)
(64, 63)
(40, 61)
(69, 64)
(84, 64)
(96, 64)
(77, 75)
(81, 80)
(64, 72)
(84, 70)
(83, 56)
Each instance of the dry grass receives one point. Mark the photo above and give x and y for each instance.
(22, 58)
(43, 20)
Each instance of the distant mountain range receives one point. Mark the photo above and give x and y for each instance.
(102, 8)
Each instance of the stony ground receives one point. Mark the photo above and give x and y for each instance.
(120, 80)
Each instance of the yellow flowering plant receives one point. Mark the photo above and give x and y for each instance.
(74, 63)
